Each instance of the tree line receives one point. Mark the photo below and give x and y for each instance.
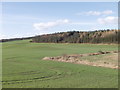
(14, 39)
(100, 36)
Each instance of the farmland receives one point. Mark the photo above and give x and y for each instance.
(23, 66)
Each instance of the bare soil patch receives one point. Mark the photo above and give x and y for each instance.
(100, 59)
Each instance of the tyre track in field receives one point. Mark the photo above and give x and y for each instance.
(58, 74)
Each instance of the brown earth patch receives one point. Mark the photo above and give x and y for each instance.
(77, 59)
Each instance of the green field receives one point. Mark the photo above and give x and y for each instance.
(23, 66)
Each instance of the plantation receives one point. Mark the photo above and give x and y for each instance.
(24, 67)
(100, 36)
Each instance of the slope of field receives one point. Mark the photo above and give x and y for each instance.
(23, 66)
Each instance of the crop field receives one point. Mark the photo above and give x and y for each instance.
(24, 67)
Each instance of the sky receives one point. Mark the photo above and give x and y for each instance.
(24, 19)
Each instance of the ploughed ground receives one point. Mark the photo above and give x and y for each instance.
(107, 59)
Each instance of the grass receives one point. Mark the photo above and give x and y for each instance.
(23, 66)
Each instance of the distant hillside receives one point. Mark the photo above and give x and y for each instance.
(14, 39)
(100, 36)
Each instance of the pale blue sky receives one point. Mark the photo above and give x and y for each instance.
(23, 19)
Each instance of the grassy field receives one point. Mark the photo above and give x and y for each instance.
(23, 66)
